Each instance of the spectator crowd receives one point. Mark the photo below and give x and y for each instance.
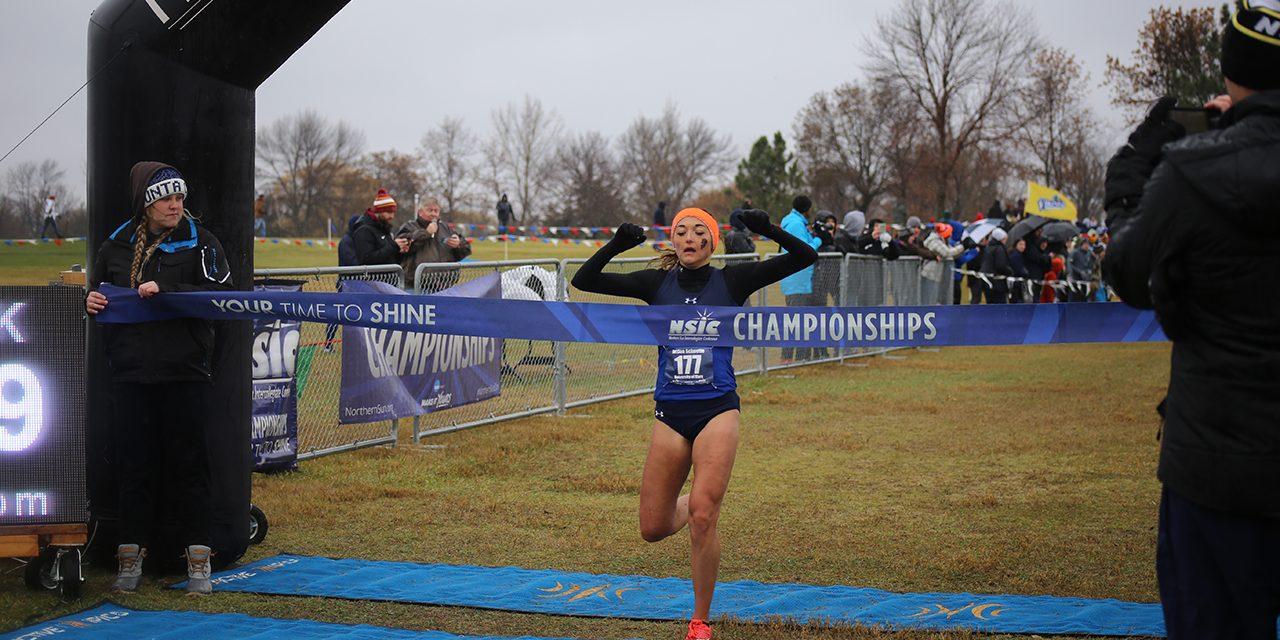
(1000, 256)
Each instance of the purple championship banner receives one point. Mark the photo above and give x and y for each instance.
(936, 326)
(274, 357)
(391, 373)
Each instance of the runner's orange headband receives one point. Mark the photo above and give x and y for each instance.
(703, 217)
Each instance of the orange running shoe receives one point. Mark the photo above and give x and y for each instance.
(698, 630)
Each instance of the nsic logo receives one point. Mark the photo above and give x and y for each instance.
(705, 326)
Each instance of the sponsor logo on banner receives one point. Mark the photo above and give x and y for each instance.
(81, 623)
(703, 328)
(1051, 204)
(273, 359)
(389, 374)
(246, 574)
(574, 593)
(981, 611)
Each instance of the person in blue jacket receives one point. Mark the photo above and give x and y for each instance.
(797, 288)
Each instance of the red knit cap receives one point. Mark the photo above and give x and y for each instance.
(384, 202)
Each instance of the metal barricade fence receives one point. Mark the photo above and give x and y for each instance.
(902, 281)
(318, 366)
(532, 372)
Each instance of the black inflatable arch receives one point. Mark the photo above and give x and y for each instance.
(176, 84)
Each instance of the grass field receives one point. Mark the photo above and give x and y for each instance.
(1022, 470)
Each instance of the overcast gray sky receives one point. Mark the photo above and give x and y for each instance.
(394, 68)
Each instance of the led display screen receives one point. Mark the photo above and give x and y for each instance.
(42, 400)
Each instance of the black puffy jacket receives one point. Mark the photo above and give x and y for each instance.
(180, 350)
(995, 261)
(1199, 248)
(374, 242)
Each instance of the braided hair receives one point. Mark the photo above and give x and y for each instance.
(142, 251)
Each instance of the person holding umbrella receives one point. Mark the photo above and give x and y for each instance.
(976, 236)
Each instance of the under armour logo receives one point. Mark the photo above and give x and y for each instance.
(691, 301)
(657, 414)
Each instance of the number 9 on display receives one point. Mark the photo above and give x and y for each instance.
(21, 407)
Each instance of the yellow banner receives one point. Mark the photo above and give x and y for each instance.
(1043, 201)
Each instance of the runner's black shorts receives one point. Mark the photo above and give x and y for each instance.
(689, 417)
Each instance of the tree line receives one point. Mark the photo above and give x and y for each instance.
(959, 102)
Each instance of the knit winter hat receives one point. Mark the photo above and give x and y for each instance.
(164, 183)
(1251, 45)
(383, 202)
(943, 230)
(914, 222)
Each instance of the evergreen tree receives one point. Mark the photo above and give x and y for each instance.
(769, 176)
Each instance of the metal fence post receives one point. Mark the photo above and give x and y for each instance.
(920, 282)
(561, 391)
(844, 292)
(886, 283)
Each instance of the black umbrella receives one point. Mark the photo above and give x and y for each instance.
(1025, 226)
(1060, 231)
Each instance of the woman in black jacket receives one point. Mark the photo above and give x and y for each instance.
(995, 262)
(160, 371)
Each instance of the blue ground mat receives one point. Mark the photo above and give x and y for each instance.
(642, 597)
(114, 622)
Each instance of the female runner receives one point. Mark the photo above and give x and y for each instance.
(695, 398)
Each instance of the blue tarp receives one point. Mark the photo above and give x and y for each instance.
(642, 597)
(114, 622)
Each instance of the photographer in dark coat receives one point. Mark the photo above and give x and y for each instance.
(1185, 213)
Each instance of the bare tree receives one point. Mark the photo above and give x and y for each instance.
(846, 142)
(959, 63)
(1084, 172)
(399, 173)
(1055, 116)
(669, 161)
(300, 159)
(589, 189)
(27, 185)
(522, 149)
(448, 152)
